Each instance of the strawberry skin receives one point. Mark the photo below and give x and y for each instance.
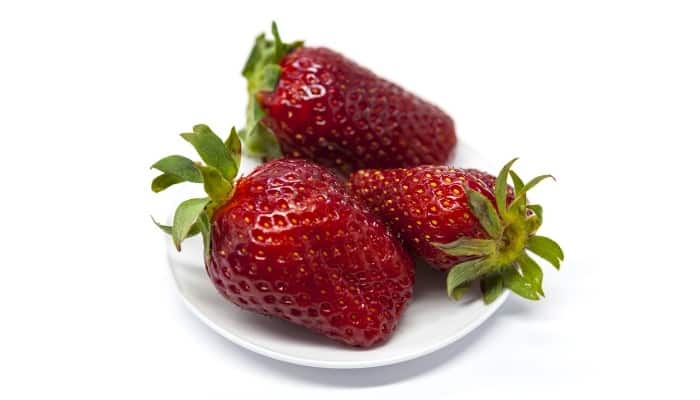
(289, 240)
(426, 204)
(335, 112)
(326, 108)
(464, 221)
(292, 243)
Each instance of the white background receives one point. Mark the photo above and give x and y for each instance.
(603, 94)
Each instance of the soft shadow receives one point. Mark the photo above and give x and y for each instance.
(517, 307)
(350, 378)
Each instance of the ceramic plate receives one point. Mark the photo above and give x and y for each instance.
(430, 322)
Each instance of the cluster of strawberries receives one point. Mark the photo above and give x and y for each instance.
(320, 234)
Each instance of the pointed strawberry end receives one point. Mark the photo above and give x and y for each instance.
(502, 261)
(262, 72)
(217, 172)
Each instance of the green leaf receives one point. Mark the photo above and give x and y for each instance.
(534, 221)
(502, 186)
(256, 114)
(463, 273)
(261, 141)
(186, 215)
(265, 52)
(233, 144)
(485, 213)
(169, 229)
(270, 76)
(204, 226)
(461, 290)
(546, 248)
(518, 284)
(255, 55)
(212, 150)
(518, 185)
(216, 186)
(534, 181)
(520, 197)
(176, 169)
(468, 247)
(282, 48)
(279, 45)
(531, 271)
(179, 166)
(491, 287)
(262, 73)
(164, 181)
(517, 182)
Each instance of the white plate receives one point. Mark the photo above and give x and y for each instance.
(430, 322)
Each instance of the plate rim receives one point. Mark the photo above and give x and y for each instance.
(308, 362)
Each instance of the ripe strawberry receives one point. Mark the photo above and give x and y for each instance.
(465, 221)
(289, 240)
(314, 103)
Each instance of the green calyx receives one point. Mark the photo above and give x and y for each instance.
(262, 72)
(217, 172)
(502, 261)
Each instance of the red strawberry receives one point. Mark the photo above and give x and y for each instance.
(289, 240)
(314, 103)
(466, 221)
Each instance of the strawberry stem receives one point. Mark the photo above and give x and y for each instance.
(262, 72)
(502, 261)
(217, 174)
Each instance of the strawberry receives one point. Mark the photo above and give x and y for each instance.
(290, 241)
(465, 221)
(314, 103)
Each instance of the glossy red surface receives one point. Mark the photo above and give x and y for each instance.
(425, 204)
(293, 243)
(328, 109)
